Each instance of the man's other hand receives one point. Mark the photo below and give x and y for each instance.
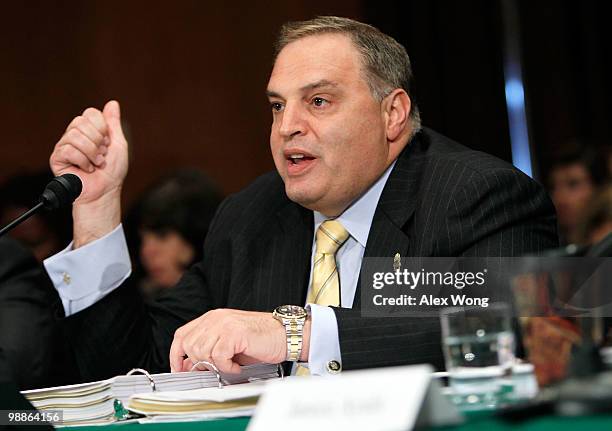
(230, 338)
(94, 148)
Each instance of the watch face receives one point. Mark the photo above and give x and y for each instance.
(291, 311)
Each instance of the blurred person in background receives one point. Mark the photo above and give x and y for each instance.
(596, 222)
(167, 227)
(44, 233)
(576, 174)
(550, 340)
(595, 225)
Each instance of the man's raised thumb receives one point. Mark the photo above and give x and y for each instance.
(112, 115)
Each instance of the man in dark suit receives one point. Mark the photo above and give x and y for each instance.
(356, 177)
(11, 400)
(31, 339)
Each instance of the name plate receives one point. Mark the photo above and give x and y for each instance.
(381, 399)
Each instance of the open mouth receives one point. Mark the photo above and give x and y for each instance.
(298, 163)
(296, 159)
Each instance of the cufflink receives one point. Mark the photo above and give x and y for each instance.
(333, 367)
(66, 278)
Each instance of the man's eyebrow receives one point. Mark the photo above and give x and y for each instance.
(319, 84)
(323, 83)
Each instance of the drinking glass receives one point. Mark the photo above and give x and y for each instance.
(478, 345)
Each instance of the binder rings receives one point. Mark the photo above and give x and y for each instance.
(89, 403)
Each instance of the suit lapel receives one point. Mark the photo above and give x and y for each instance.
(389, 233)
(295, 240)
(277, 266)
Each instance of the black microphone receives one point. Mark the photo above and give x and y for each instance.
(60, 192)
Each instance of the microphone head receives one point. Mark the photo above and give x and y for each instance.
(61, 191)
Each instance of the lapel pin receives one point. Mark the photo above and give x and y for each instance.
(397, 262)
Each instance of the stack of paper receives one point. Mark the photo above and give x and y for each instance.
(235, 400)
(80, 404)
(94, 402)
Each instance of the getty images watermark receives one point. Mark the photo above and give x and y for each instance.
(534, 286)
(411, 280)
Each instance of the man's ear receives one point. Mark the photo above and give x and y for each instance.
(397, 107)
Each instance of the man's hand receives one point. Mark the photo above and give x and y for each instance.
(94, 148)
(230, 338)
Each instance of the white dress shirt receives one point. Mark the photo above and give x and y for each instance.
(85, 275)
(356, 219)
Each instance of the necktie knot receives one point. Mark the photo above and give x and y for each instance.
(330, 237)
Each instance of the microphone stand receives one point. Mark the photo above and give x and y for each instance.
(20, 219)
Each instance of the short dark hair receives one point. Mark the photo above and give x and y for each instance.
(585, 154)
(184, 202)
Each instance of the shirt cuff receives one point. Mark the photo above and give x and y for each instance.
(324, 358)
(85, 275)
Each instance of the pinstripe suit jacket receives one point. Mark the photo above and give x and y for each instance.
(441, 199)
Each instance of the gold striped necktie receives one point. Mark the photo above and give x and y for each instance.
(325, 286)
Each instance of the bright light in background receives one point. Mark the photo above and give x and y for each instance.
(515, 91)
(517, 123)
(515, 96)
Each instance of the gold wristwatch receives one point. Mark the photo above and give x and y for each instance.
(292, 317)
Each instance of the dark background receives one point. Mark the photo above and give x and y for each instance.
(191, 75)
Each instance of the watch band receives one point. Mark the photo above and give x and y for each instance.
(295, 336)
